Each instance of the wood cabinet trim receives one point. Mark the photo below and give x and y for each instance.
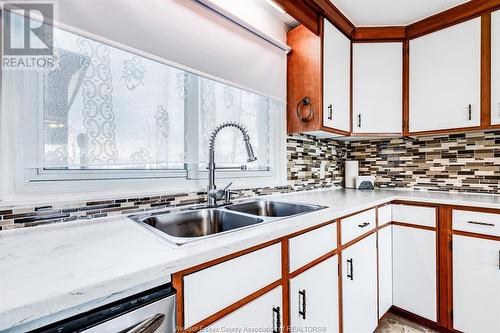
(475, 235)
(452, 16)
(285, 283)
(415, 226)
(486, 70)
(313, 263)
(302, 12)
(328, 10)
(379, 34)
(419, 320)
(475, 209)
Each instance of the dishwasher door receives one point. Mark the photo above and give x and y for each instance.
(157, 317)
(152, 311)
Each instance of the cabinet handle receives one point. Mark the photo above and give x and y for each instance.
(302, 309)
(470, 112)
(277, 322)
(481, 223)
(330, 112)
(349, 265)
(363, 225)
(359, 120)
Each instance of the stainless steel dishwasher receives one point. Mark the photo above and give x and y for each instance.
(152, 311)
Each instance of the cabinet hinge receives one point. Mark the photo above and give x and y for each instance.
(451, 314)
(451, 244)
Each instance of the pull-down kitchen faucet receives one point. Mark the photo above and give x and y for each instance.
(212, 193)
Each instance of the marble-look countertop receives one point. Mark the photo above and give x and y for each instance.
(48, 273)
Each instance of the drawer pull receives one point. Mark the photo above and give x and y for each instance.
(302, 309)
(350, 272)
(481, 223)
(277, 322)
(364, 225)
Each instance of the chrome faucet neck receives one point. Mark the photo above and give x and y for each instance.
(212, 194)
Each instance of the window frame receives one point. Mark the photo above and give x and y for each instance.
(20, 181)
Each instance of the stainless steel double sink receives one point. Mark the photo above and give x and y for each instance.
(188, 226)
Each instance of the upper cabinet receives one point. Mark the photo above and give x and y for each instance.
(445, 78)
(318, 82)
(495, 68)
(336, 78)
(377, 88)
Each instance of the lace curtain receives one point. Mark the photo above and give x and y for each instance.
(101, 107)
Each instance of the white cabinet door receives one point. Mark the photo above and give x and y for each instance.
(495, 68)
(414, 270)
(260, 315)
(476, 284)
(311, 245)
(314, 298)
(445, 78)
(377, 87)
(359, 286)
(336, 78)
(384, 270)
(212, 289)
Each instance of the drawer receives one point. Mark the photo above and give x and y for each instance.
(384, 215)
(215, 288)
(418, 215)
(312, 245)
(357, 225)
(477, 222)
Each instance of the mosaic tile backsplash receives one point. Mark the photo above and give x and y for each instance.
(305, 158)
(467, 162)
(457, 162)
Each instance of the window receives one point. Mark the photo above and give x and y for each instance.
(105, 113)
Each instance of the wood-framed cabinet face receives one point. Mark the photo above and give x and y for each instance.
(336, 78)
(263, 314)
(377, 88)
(359, 286)
(476, 284)
(445, 78)
(319, 68)
(314, 298)
(495, 68)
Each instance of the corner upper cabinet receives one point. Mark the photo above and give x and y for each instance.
(319, 70)
(495, 68)
(445, 79)
(377, 88)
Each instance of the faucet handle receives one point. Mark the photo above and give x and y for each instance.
(227, 186)
(228, 195)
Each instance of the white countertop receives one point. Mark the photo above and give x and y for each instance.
(48, 273)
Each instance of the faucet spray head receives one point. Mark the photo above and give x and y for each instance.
(248, 146)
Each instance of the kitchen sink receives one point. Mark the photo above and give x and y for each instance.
(272, 208)
(199, 223)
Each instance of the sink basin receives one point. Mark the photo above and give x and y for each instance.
(199, 223)
(272, 208)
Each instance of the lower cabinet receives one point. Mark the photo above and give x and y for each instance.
(314, 298)
(384, 270)
(264, 314)
(414, 270)
(359, 286)
(476, 284)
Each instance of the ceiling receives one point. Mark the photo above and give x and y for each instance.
(391, 12)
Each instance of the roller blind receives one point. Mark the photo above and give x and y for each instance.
(185, 32)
